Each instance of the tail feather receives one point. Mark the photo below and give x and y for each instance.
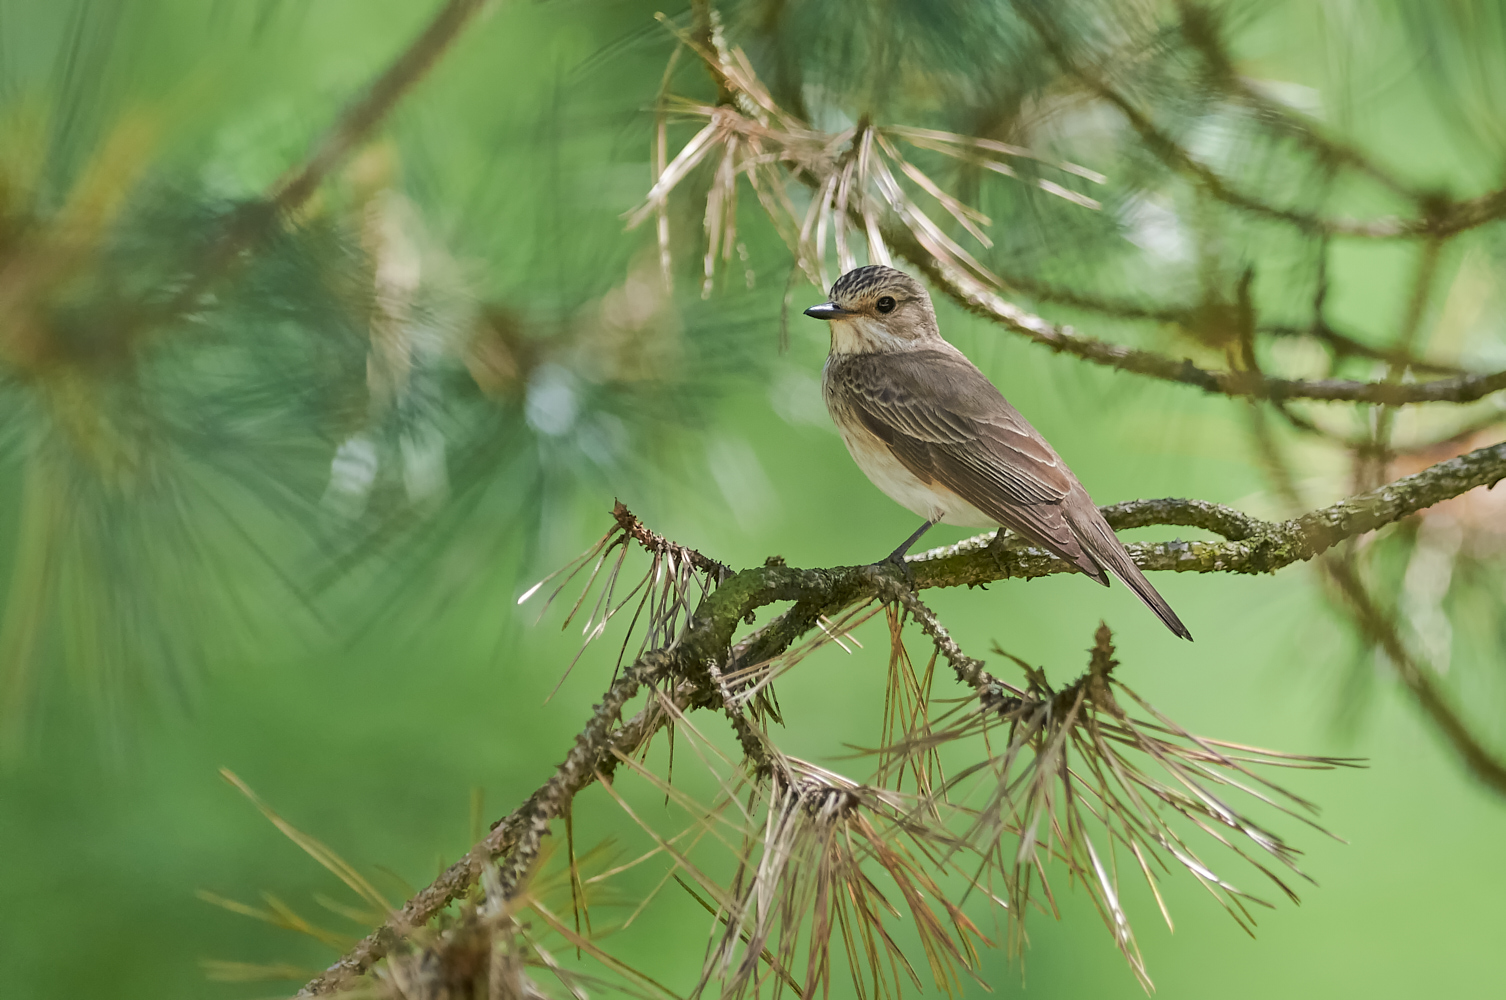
(1104, 547)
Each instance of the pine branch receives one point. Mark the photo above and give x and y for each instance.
(518, 835)
(752, 124)
(1251, 546)
(1196, 318)
(252, 223)
(1201, 28)
(974, 296)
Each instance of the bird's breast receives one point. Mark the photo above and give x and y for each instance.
(929, 499)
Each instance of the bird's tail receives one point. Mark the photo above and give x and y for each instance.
(1105, 549)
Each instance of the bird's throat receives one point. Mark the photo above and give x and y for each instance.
(861, 335)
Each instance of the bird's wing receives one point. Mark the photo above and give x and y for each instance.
(947, 424)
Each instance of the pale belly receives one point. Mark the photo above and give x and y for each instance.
(931, 501)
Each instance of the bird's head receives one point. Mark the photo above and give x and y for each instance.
(875, 309)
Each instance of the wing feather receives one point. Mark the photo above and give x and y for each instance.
(948, 424)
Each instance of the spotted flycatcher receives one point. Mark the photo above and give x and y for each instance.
(931, 431)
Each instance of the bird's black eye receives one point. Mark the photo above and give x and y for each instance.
(885, 304)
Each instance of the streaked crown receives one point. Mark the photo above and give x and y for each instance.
(859, 289)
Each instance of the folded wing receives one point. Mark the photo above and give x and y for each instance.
(947, 424)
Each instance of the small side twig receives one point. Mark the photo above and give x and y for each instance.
(658, 544)
(969, 670)
(357, 121)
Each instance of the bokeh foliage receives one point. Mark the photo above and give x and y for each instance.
(272, 485)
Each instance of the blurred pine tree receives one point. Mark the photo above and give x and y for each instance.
(290, 339)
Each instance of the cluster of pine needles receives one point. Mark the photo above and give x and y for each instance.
(853, 175)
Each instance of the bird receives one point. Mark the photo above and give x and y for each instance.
(931, 431)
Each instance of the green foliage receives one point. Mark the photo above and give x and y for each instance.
(273, 475)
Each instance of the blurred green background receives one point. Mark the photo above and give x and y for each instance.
(352, 647)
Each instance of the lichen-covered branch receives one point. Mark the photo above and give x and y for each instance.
(1250, 545)
(515, 839)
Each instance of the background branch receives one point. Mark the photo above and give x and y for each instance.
(1379, 629)
(355, 124)
(974, 296)
(748, 120)
(1441, 217)
(1199, 318)
(253, 222)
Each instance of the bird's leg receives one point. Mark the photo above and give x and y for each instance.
(897, 557)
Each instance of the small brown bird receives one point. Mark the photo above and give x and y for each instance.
(931, 431)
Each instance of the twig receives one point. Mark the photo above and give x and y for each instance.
(974, 296)
(1381, 632)
(1441, 218)
(1371, 461)
(353, 126)
(1346, 346)
(657, 543)
(1201, 29)
(969, 670)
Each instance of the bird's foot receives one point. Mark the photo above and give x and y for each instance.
(897, 560)
(995, 547)
(897, 557)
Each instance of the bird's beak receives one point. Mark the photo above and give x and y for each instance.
(826, 310)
